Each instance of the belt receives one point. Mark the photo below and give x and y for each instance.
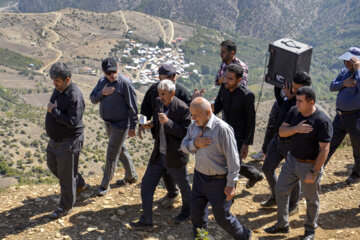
(215, 176)
(341, 112)
(306, 161)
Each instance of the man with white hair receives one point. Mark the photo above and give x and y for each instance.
(217, 165)
(170, 122)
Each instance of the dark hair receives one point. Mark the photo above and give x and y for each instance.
(229, 44)
(237, 69)
(60, 70)
(302, 78)
(308, 92)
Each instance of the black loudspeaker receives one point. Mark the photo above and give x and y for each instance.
(287, 57)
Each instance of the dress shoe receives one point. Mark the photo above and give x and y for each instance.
(59, 213)
(308, 236)
(353, 178)
(249, 236)
(251, 182)
(82, 189)
(275, 230)
(142, 225)
(124, 181)
(181, 218)
(103, 191)
(270, 203)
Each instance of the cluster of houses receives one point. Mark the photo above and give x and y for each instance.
(146, 61)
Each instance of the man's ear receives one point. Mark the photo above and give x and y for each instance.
(172, 93)
(67, 80)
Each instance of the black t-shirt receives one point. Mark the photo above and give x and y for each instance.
(306, 146)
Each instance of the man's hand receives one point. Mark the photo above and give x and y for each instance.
(51, 106)
(141, 129)
(310, 178)
(131, 133)
(287, 90)
(244, 151)
(356, 63)
(349, 82)
(198, 93)
(163, 119)
(202, 142)
(229, 192)
(303, 128)
(107, 90)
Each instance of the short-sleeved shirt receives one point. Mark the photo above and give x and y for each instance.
(306, 146)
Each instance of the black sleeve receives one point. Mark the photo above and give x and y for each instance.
(279, 95)
(96, 95)
(179, 129)
(218, 105)
(250, 121)
(183, 94)
(325, 131)
(146, 106)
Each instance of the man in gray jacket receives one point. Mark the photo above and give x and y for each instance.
(118, 108)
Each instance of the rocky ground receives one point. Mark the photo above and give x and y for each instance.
(23, 211)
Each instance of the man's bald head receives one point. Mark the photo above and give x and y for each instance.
(201, 103)
(200, 109)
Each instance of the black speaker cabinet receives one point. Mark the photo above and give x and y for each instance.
(287, 57)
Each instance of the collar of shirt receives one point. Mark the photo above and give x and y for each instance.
(209, 123)
(67, 90)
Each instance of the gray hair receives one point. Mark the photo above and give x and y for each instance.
(167, 85)
(60, 70)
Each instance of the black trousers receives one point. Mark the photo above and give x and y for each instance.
(248, 171)
(63, 161)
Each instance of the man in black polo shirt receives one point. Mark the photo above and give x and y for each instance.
(311, 132)
(118, 109)
(237, 103)
(65, 127)
(148, 107)
(279, 147)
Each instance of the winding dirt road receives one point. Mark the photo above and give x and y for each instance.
(51, 44)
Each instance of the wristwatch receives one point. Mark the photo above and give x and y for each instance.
(316, 174)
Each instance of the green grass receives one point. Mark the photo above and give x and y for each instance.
(17, 61)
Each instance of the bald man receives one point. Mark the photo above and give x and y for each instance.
(217, 164)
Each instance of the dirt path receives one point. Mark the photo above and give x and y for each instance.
(123, 17)
(50, 45)
(172, 31)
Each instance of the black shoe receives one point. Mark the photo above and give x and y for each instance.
(270, 203)
(308, 236)
(274, 230)
(103, 191)
(123, 182)
(82, 189)
(181, 218)
(251, 182)
(141, 225)
(59, 213)
(293, 211)
(353, 178)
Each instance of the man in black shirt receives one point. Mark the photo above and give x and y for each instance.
(311, 132)
(237, 103)
(148, 107)
(278, 148)
(118, 109)
(65, 127)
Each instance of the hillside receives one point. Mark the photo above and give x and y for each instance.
(24, 208)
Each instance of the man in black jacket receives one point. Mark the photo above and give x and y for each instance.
(237, 103)
(148, 107)
(65, 127)
(170, 122)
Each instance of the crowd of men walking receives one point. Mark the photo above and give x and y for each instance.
(182, 123)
